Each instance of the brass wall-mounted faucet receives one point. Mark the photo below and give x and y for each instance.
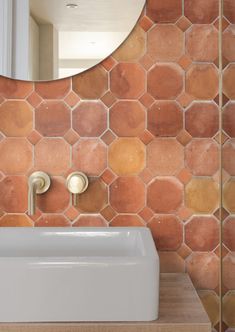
(38, 183)
(77, 183)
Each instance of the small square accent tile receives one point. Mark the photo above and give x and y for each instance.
(108, 137)
(217, 99)
(72, 99)
(225, 176)
(217, 213)
(225, 100)
(184, 251)
(108, 213)
(145, 23)
(146, 62)
(224, 214)
(146, 214)
(184, 137)
(225, 24)
(185, 61)
(71, 137)
(147, 100)
(108, 63)
(185, 99)
(225, 62)
(184, 176)
(184, 213)
(216, 62)
(221, 138)
(108, 99)
(37, 215)
(183, 23)
(225, 251)
(34, 99)
(34, 137)
(146, 137)
(72, 213)
(146, 176)
(108, 176)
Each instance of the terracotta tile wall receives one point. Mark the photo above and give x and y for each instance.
(228, 117)
(144, 126)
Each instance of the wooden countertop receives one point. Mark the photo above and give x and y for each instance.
(180, 311)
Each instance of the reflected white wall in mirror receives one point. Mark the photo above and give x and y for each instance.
(43, 40)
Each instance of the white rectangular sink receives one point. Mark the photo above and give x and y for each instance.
(80, 274)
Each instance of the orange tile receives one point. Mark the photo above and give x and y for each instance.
(229, 271)
(210, 302)
(52, 220)
(90, 156)
(171, 262)
(91, 84)
(229, 10)
(52, 155)
(164, 10)
(171, 83)
(127, 195)
(165, 118)
(228, 195)
(145, 23)
(228, 43)
(16, 155)
(72, 99)
(228, 157)
(127, 81)
(201, 11)
(165, 156)
(202, 233)
(202, 81)
(16, 118)
(229, 119)
(183, 23)
(15, 220)
(165, 195)
(52, 118)
(167, 232)
(126, 220)
(108, 213)
(127, 118)
(90, 119)
(228, 81)
(108, 176)
(126, 156)
(229, 233)
(108, 137)
(13, 89)
(228, 309)
(133, 47)
(34, 99)
(90, 221)
(53, 90)
(160, 41)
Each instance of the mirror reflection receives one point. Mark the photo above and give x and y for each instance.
(51, 39)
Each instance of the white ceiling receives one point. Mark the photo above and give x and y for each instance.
(91, 15)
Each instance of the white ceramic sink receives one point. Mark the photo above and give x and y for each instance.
(80, 274)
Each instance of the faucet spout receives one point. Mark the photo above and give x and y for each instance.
(39, 183)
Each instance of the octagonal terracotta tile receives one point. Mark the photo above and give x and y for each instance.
(229, 271)
(127, 118)
(16, 118)
(228, 195)
(228, 156)
(127, 80)
(202, 43)
(165, 118)
(54, 89)
(200, 11)
(202, 233)
(228, 81)
(15, 220)
(228, 43)
(165, 195)
(229, 233)
(160, 41)
(164, 10)
(127, 194)
(52, 155)
(95, 198)
(133, 47)
(90, 156)
(167, 232)
(90, 119)
(202, 195)
(202, 81)
(13, 89)
(16, 156)
(14, 194)
(56, 199)
(202, 157)
(127, 220)
(211, 303)
(52, 118)
(229, 10)
(90, 221)
(52, 220)
(165, 156)
(91, 84)
(229, 119)
(228, 309)
(165, 81)
(127, 156)
(203, 269)
(202, 119)
(171, 262)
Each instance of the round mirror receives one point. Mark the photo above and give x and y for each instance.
(42, 40)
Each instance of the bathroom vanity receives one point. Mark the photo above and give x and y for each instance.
(180, 311)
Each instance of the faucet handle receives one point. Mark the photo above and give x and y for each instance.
(77, 183)
(38, 183)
